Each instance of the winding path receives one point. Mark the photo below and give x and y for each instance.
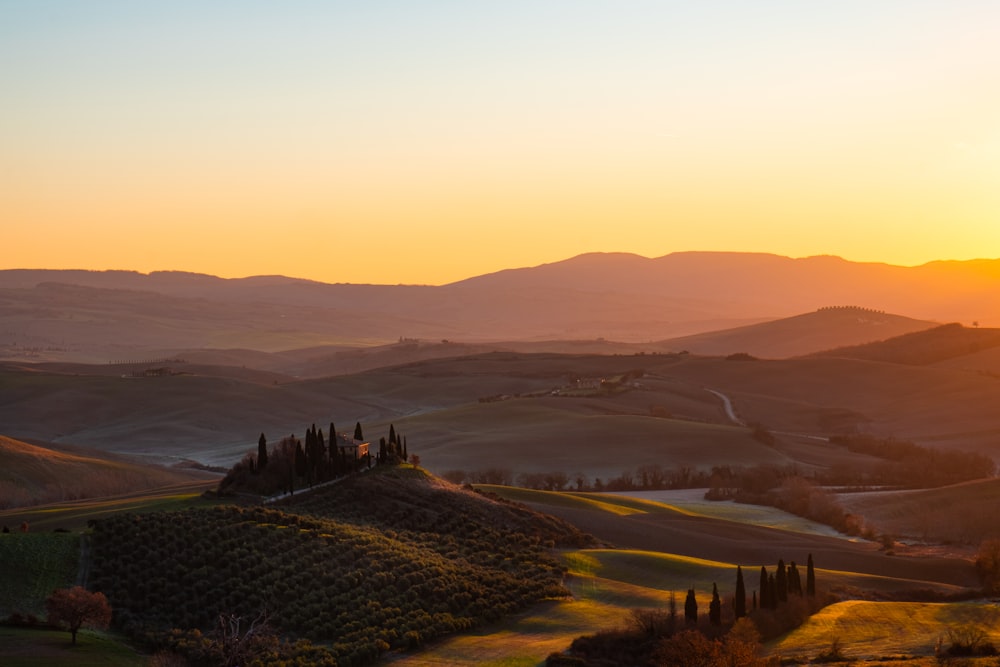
(728, 405)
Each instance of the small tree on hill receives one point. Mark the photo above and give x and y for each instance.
(810, 578)
(690, 608)
(261, 452)
(358, 434)
(715, 607)
(77, 607)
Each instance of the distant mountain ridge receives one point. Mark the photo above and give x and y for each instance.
(615, 296)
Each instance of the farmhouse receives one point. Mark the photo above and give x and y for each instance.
(351, 449)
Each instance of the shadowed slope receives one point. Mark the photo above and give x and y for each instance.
(32, 475)
(943, 343)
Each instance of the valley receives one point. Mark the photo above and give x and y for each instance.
(615, 446)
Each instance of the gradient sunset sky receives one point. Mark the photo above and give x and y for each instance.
(426, 142)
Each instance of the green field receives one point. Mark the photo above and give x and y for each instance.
(867, 629)
(75, 515)
(612, 504)
(33, 565)
(33, 647)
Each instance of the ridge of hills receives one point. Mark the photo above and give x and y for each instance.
(32, 474)
(100, 316)
(507, 409)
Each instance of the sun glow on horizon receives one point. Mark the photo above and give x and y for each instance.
(430, 144)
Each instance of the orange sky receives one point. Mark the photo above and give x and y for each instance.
(389, 143)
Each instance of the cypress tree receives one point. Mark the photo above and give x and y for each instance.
(406, 455)
(690, 608)
(781, 583)
(794, 580)
(392, 434)
(300, 459)
(810, 578)
(772, 593)
(358, 435)
(261, 452)
(763, 588)
(715, 607)
(333, 450)
(740, 601)
(306, 468)
(755, 600)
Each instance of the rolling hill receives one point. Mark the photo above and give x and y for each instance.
(32, 475)
(388, 559)
(801, 334)
(524, 412)
(929, 346)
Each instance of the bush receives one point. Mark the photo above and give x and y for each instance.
(832, 654)
(969, 641)
(988, 566)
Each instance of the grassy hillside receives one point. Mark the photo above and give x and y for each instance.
(390, 558)
(75, 515)
(962, 513)
(872, 629)
(555, 434)
(33, 475)
(666, 416)
(42, 647)
(803, 334)
(930, 346)
(658, 527)
(35, 564)
(819, 396)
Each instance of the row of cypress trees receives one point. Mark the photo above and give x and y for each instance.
(775, 588)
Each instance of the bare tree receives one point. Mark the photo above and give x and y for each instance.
(239, 639)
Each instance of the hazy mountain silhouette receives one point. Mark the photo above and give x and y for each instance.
(101, 315)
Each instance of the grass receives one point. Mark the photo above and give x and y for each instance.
(632, 578)
(33, 565)
(74, 515)
(867, 629)
(42, 647)
(591, 501)
(569, 435)
(693, 503)
(522, 641)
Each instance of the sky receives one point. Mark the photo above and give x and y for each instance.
(426, 142)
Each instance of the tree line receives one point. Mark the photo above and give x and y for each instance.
(295, 463)
(729, 634)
